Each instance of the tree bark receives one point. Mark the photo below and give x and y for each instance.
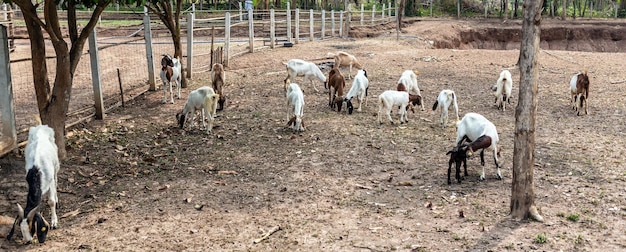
(523, 194)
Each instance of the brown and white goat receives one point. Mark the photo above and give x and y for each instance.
(336, 84)
(579, 91)
(170, 72)
(408, 83)
(392, 98)
(218, 79)
(344, 59)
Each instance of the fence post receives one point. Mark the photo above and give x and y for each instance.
(251, 31)
(272, 29)
(373, 12)
(226, 38)
(240, 13)
(297, 26)
(7, 108)
(362, 8)
(341, 24)
(348, 20)
(149, 54)
(311, 32)
(382, 12)
(332, 23)
(323, 24)
(388, 9)
(95, 75)
(289, 36)
(190, 18)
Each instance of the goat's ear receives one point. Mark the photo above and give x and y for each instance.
(20, 211)
(449, 152)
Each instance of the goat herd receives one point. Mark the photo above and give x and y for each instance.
(474, 131)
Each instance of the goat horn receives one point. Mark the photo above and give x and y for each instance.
(20, 211)
(32, 213)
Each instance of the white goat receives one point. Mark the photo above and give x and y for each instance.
(393, 98)
(482, 134)
(203, 99)
(502, 89)
(344, 59)
(444, 100)
(42, 167)
(170, 72)
(408, 83)
(358, 89)
(310, 71)
(295, 106)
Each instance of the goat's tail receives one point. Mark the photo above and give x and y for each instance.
(435, 105)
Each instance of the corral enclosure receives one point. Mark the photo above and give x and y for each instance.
(132, 181)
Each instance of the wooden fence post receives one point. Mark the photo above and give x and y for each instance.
(149, 54)
(95, 75)
(362, 8)
(297, 38)
(7, 107)
(289, 36)
(311, 32)
(341, 24)
(382, 12)
(190, 18)
(332, 23)
(251, 30)
(272, 29)
(240, 13)
(373, 12)
(226, 38)
(323, 24)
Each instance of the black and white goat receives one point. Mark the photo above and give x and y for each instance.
(42, 167)
(359, 88)
(203, 99)
(170, 72)
(579, 90)
(481, 134)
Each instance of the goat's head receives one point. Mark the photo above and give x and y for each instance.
(180, 116)
(364, 73)
(349, 106)
(415, 100)
(30, 225)
(458, 156)
(296, 123)
(166, 61)
(221, 102)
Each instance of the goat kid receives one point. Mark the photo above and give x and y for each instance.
(42, 167)
(359, 88)
(203, 99)
(217, 80)
(295, 106)
(310, 71)
(444, 100)
(170, 72)
(481, 134)
(336, 84)
(579, 91)
(502, 89)
(393, 98)
(344, 59)
(408, 83)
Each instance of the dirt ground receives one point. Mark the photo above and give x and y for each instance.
(135, 182)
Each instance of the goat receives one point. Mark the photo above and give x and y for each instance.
(502, 89)
(344, 59)
(336, 84)
(358, 89)
(444, 100)
(579, 91)
(203, 99)
(481, 134)
(170, 71)
(42, 167)
(392, 98)
(408, 83)
(217, 80)
(295, 106)
(310, 71)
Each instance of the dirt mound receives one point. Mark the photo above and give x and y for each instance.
(589, 36)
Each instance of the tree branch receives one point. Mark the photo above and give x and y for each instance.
(31, 11)
(52, 19)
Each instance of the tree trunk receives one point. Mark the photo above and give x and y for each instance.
(564, 10)
(523, 195)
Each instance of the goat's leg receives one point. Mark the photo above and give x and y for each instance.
(312, 84)
(171, 93)
(178, 87)
(495, 160)
(465, 166)
(389, 115)
(164, 92)
(449, 171)
(205, 114)
(445, 117)
(52, 200)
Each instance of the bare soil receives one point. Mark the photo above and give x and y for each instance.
(136, 182)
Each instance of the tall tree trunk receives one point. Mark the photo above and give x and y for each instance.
(515, 8)
(564, 10)
(523, 192)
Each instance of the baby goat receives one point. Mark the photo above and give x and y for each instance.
(344, 59)
(444, 100)
(502, 89)
(408, 83)
(295, 106)
(42, 167)
(170, 72)
(203, 99)
(218, 79)
(393, 98)
(310, 71)
(481, 134)
(336, 84)
(358, 89)
(579, 90)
